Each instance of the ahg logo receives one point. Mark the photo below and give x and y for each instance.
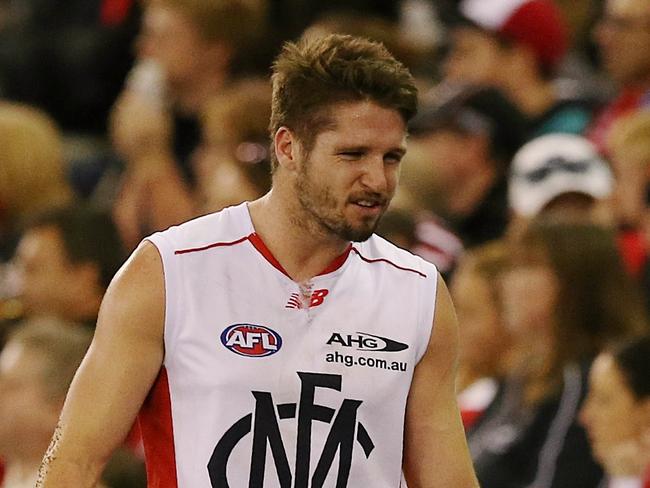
(266, 434)
(366, 342)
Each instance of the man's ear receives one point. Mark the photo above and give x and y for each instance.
(286, 148)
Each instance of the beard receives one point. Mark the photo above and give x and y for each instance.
(319, 204)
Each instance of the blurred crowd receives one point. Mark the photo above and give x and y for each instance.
(527, 182)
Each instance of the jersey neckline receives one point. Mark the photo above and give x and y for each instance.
(262, 248)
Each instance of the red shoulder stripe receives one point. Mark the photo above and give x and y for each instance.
(384, 260)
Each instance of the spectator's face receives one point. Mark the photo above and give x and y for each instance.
(483, 339)
(475, 57)
(453, 160)
(170, 38)
(344, 185)
(632, 173)
(623, 36)
(530, 292)
(613, 417)
(44, 273)
(27, 416)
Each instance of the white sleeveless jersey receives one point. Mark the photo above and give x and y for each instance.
(268, 383)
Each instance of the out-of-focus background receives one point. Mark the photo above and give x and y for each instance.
(527, 182)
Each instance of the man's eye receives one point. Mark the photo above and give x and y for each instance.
(351, 154)
(392, 159)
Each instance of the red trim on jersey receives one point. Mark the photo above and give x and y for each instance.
(158, 435)
(210, 246)
(384, 260)
(258, 244)
(338, 262)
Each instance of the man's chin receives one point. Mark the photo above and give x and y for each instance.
(359, 233)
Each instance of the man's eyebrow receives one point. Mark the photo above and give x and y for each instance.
(401, 150)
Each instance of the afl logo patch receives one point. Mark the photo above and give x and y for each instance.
(251, 340)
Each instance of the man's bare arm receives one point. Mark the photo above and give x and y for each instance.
(115, 376)
(435, 450)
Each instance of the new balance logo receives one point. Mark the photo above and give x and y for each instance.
(300, 301)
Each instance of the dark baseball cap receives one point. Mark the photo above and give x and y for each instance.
(473, 110)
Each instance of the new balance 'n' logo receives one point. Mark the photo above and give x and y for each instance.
(299, 301)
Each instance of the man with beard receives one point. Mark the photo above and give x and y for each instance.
(279, 342)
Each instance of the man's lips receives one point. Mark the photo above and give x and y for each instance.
(372, 207)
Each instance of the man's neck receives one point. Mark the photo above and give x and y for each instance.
(303, 250)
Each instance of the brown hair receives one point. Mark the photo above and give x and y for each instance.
(316, 72)
(597, 303)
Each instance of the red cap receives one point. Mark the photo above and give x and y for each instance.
(536, 23)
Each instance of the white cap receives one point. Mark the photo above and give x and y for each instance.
(553, 165)
(490, 15)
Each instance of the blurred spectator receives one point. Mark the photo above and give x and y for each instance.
(363, 24)
(398, 226)
(232, 163)
(517, 46)
(629, 145)
(36, 368)
(616, 413)
(469, 138)
(565, 298)
(68, 57)
(560, 175)
(623, 37)
(484, 339)
(186, 53)
(32, 169)
(64, 262)
(291, 16)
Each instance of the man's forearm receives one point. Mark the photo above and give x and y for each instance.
(58, 472)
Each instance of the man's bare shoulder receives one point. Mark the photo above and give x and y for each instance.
(136, 296)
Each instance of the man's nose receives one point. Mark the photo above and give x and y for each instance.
(374, 176)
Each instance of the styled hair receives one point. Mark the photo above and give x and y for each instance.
(317, 72)
(633, 360)
(88, 235)
(61, 347)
